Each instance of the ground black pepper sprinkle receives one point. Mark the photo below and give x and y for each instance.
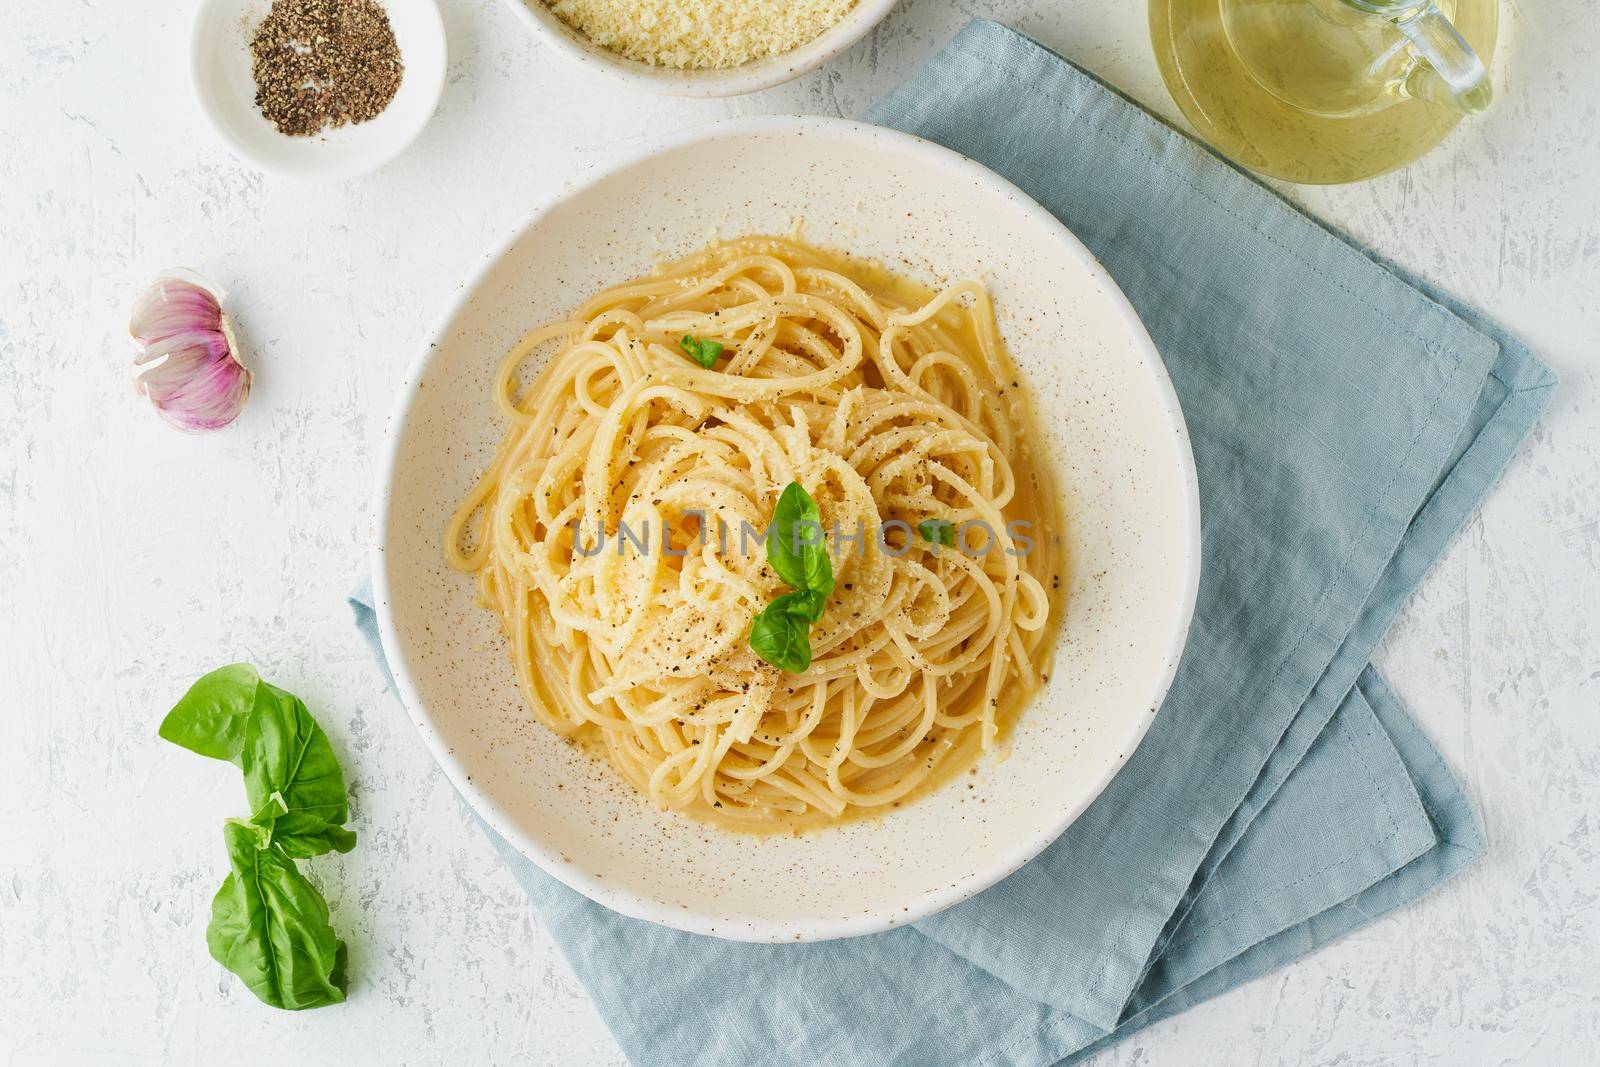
(323, 63)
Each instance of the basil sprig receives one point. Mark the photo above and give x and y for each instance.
(781, 632)
(704, 353)
(269, 925)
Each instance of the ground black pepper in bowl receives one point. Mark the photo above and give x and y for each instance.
(319, 64)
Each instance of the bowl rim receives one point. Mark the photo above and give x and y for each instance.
(755, 930)
(757, 74)
(356, 166)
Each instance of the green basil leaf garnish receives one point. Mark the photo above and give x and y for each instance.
(291, 776)
(801, 603)
(269, 926)
(795, 542)
(781, 636)
(938, 532)
(210, 718)
(781, 632)
(300, 837)
(704, 353)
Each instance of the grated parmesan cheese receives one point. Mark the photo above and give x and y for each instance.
(700, 34)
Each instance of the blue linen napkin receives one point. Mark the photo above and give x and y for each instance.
(1345, 418)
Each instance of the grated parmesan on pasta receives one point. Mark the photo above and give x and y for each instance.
(700, 34)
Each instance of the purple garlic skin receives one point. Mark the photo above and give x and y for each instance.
(188, 364)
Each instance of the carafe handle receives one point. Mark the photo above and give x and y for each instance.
(1452, 75)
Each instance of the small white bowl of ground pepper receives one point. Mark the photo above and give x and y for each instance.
(318, 88)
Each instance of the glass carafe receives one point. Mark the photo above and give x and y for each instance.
(1325, 90)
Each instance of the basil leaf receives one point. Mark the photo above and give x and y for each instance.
(297, 838)
(780, 635)
(938, 532)
(704, 353)
(315, 843)
(270, 927)
(292, 778)
(802, 603)
(795, 521)
(210, 718)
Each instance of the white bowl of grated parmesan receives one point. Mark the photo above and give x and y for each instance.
(701, 47)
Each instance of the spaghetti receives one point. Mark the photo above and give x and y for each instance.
(612, 533)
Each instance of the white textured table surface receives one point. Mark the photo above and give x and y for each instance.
(133, 558)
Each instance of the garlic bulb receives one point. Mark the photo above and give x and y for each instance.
(188, 363)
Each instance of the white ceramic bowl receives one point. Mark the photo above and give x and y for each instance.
(747, 78)
(220, 72)
(1113, 426)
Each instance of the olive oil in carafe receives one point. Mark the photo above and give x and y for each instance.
(1316, 91)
